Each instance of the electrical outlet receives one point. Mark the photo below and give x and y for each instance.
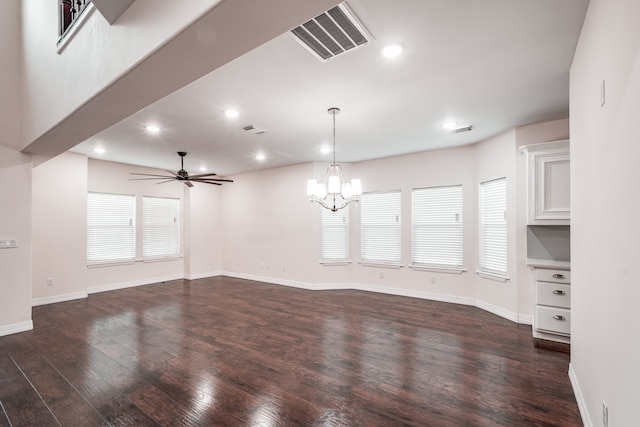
(284, 268)
(50, 281)
(433, 280)
(605, 414)
(382, 275)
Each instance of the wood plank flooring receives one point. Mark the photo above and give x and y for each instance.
(231, 352)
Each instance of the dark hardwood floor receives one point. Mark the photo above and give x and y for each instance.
(232, 352)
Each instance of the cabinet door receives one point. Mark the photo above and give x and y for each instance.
(551, 199)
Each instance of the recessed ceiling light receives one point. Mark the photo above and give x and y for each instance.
(152, 128)
(325, 149)
(232, 114)
(449, 125)
(99, 150)
(203, 168)
(392, 51)
(260, 157)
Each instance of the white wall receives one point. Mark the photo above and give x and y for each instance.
(269, 224)
(15, 183)
(59, 223)
(605, 229)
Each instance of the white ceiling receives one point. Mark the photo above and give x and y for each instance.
(494, 64)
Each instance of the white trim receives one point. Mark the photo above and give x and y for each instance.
(14, 328)
(525, 319)
(414, 294)
(493, 276)
(432, 268)
(115, 286)
(333, 287)
(548, 263)
(577, 391)
(272, 280)
(59, 298)
(334, 263)
(196, 276)
(498, 311)
(380, 264)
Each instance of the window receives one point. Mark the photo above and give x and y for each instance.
(110, 228)
(493, 227)
(436, 221)
(335, 235)
(381, 227)
(160, 227)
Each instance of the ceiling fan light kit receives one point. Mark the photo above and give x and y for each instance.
(182, 175)
(334, 193)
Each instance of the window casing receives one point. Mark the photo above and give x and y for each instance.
(436, 227)
(111, 234)
(335, 235)
(381, 228)
(160, 227)
(493, 227)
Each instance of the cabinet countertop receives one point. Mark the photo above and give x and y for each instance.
(548, 263)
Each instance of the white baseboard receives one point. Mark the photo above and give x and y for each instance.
(58, 298)
(14, 328)
(414, 294)
(272, 280)
(525, 319)
(195, 276)
(577, 391)
(115, 286)
(499, 311)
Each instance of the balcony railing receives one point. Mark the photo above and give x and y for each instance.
(70, 11)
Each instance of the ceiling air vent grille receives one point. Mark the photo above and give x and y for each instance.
(332, 33)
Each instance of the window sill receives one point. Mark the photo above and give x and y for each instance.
(160, 259)
(380, 264)
(493, 276)
(331, 263)
(111, 263)
(436, 269)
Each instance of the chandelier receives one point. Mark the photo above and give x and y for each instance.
(334, 193)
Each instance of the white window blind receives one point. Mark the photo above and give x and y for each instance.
(381, 227)
(335, 235)
(110, 228)
(160, 227)
(493, 226)
(436, 226)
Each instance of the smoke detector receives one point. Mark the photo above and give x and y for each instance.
(254, 130)
(332, 33)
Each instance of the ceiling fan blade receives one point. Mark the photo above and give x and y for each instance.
(172, 173)
(149, 174)
(202, 175)
(143, 179)
(207, 182)
(210, 179)
(168, 180)
(188, 183)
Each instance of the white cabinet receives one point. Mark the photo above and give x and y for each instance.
(552, 314)
(548, 198)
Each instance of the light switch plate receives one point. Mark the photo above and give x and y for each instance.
(8, 242)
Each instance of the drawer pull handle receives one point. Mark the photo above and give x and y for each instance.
(558, 276)
(558, 317)
(558, 292)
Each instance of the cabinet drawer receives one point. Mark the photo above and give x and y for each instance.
(550, 275)
(553, 320)
(554, 294)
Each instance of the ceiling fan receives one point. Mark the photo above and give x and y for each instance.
(183, 175)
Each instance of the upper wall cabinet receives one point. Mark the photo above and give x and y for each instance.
(548, 198)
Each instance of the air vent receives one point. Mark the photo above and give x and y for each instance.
(254, 130)
(332, 33)
(462, 129)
